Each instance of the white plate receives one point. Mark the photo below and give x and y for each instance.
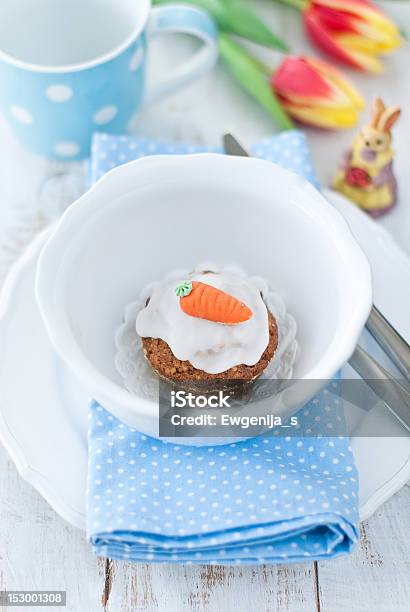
(43, 411)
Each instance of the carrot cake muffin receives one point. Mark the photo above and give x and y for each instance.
(207, 326)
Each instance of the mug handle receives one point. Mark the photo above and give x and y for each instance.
(188, 20)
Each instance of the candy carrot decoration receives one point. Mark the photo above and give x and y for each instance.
(206, 302)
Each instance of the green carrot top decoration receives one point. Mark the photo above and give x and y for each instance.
(184, 289)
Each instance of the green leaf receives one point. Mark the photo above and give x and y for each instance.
(244, 22)
(235, 17)
(248, 72)
(300, 5)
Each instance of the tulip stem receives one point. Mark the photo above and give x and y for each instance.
(251, 76)
(299, 4)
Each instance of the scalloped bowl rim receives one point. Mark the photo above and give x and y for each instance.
(116, 398)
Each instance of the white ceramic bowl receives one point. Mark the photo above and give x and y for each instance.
(145, 218)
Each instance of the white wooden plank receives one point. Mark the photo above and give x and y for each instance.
(40, 551)
(176, 588)
(376, 577)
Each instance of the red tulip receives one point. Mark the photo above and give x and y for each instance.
(354, 32)
(315, 93)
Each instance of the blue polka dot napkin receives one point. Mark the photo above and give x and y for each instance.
(264, 500)
(288, 149)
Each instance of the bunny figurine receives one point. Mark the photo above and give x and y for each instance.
(366, 175)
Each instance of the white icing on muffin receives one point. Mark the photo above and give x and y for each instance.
(208, 346)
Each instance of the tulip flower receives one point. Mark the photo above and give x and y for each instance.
(355, 32)
(315, 93)
(306, 89)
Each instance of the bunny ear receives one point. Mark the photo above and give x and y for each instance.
(377, 111)
(389, 118)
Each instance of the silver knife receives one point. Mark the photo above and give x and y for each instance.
(392, 343)
(233, 147)
(391, 391)
(395, 396)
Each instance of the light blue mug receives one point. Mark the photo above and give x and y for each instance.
(71, 67)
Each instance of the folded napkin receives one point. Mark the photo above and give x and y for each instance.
(288, 149)
(263, 500)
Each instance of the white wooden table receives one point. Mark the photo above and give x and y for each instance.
(38, 550)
